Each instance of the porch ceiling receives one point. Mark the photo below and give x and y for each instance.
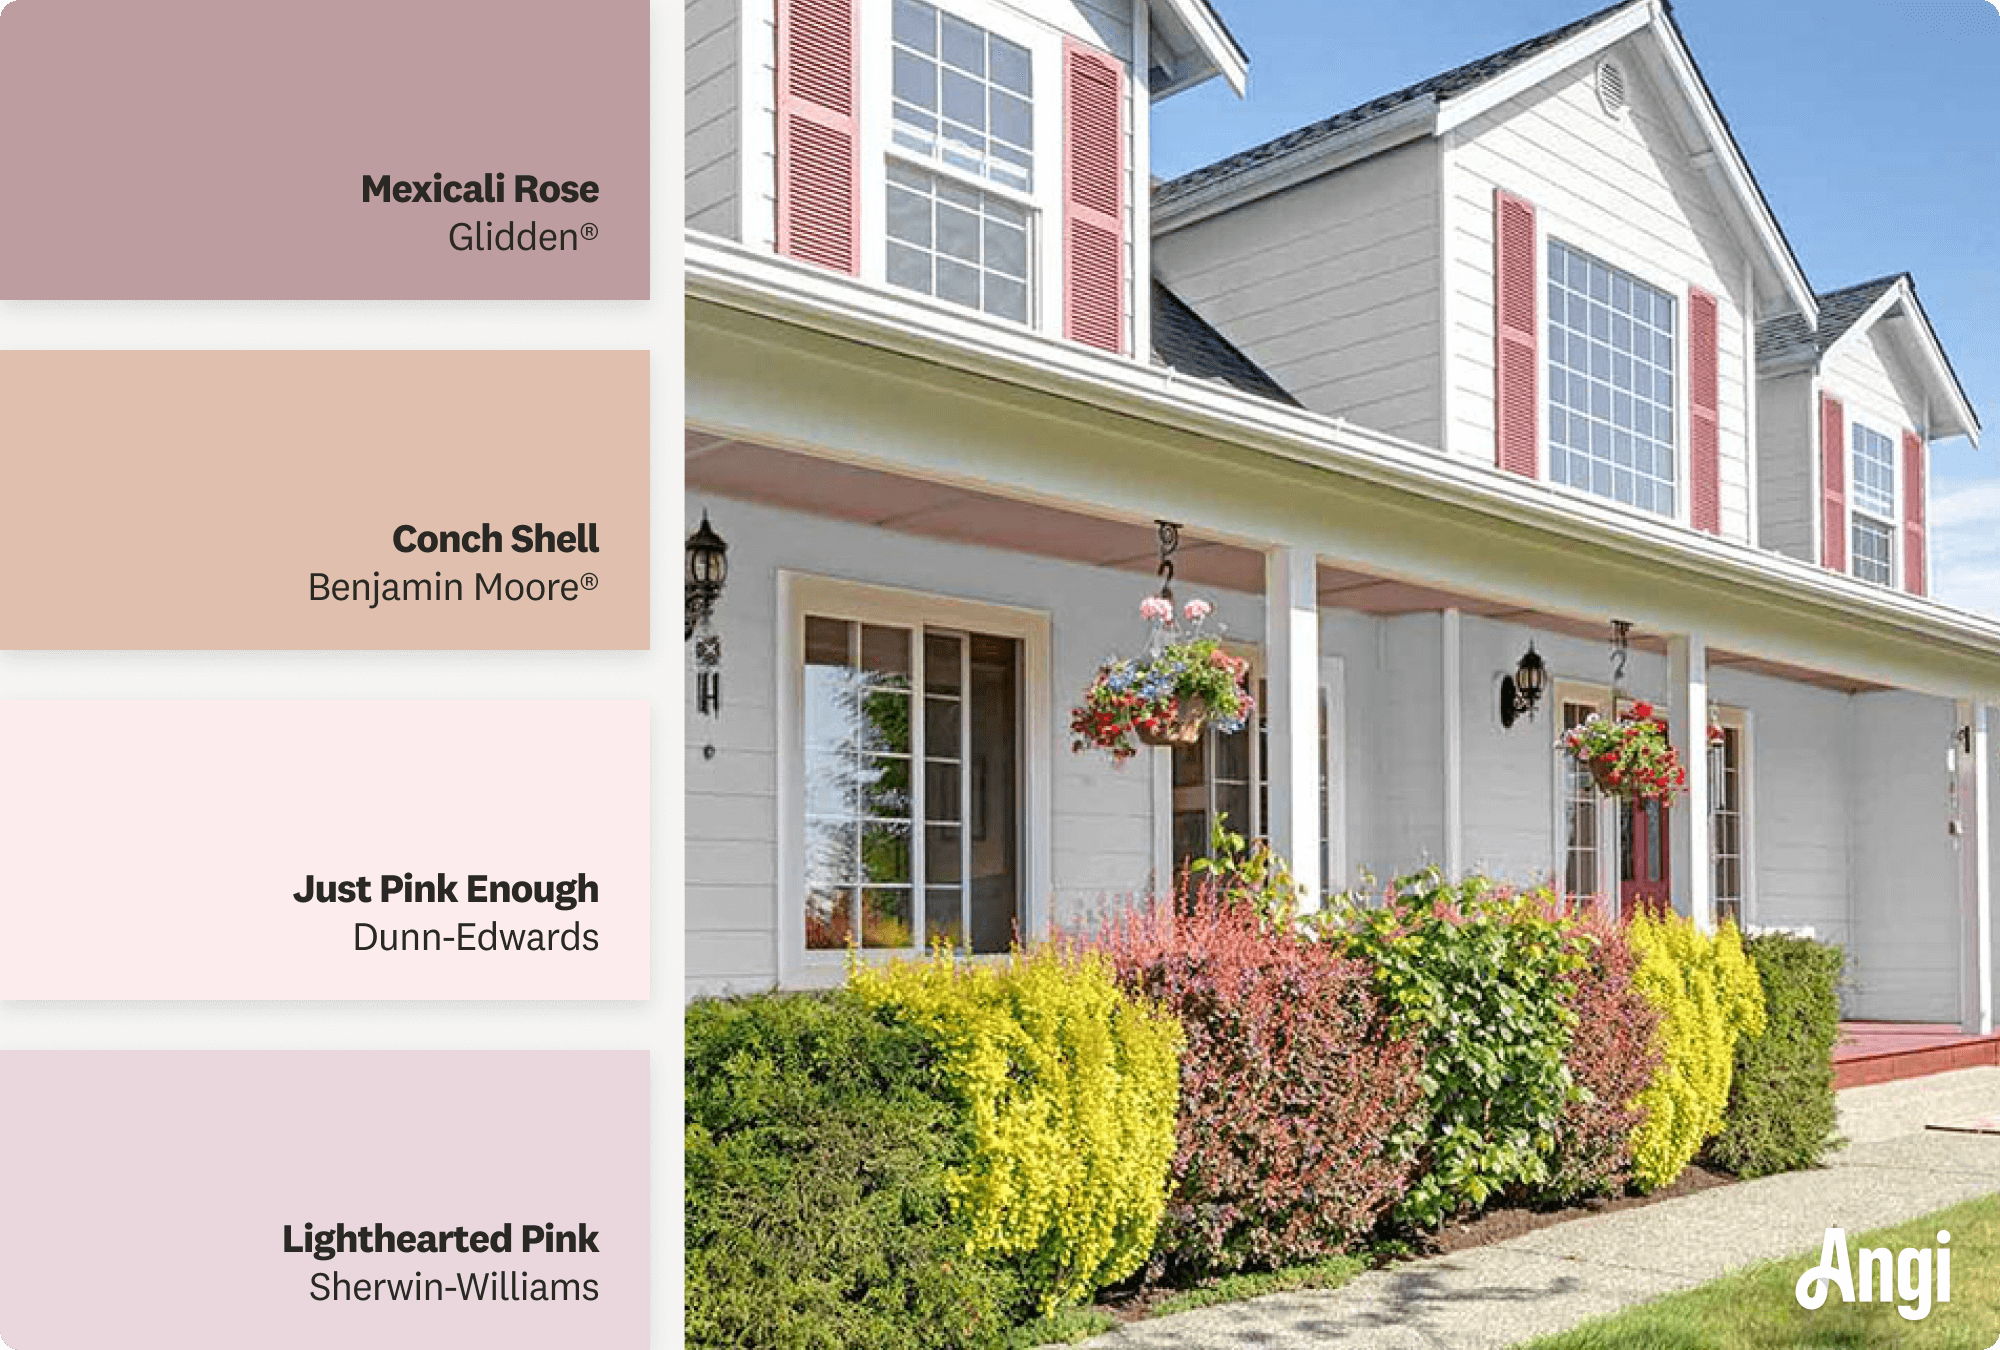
(773, 477)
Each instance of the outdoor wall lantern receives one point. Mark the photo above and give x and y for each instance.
(1522, 691)
(707, 569)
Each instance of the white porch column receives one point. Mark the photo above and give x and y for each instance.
(1975, 884)
(1451, 630)
(1291, 672)
(1687, 717)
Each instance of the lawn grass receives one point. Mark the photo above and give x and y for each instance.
(1756, 1309)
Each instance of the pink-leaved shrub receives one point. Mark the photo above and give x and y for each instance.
(1612, 1056)
(1293, 1089)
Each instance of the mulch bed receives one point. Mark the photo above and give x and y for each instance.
(1498, 1225)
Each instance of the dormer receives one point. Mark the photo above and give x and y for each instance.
(983, 155)
(1847, 410)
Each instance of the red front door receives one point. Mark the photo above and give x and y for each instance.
(1645, 877)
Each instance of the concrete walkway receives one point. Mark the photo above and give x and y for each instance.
(1490, 1298)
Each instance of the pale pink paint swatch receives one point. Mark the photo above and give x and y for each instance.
(146, 1196)
(217, 149)
(154, 850)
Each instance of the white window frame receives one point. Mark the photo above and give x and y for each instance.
(875, 67)
(1676, 289)
(1894, 521)
(1598, 698)
(801, 594)
(1743, 722)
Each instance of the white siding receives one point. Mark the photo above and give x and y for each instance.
(1903, 961)
(1621, 189)
(713, 171)
(1331, 287)
(1858, 372)
(1788, 484)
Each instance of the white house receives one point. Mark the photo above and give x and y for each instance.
(1518, 355)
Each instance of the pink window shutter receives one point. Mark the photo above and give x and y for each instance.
(1516, 347)
(1704, 414)
(1093, 206)
(1914, 551)
(1833, 482)
(819, 143)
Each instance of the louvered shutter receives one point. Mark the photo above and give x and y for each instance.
(1914, 553)
(1093, 206)
(1516, 347)
(1704, 414)
(1833, 482)
(819, 143)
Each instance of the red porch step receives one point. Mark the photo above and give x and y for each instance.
(1887, 1052)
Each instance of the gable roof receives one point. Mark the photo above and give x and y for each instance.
(1444, 101)
(1790, 343)
(1452, 82)
(1184, 342)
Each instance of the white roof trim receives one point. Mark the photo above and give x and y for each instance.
(1721, 159)
(1206, 28)
(1931, 362)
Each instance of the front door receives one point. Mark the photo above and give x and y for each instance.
(1645, 880)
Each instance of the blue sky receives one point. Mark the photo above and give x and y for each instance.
(1873, 125)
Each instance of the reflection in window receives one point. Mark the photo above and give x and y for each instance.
(1611, 382)
(1580, 816)
(962, 96)
(871, 876)
(1727, 844)
(957, 243)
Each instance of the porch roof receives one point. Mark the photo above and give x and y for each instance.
(873, 379)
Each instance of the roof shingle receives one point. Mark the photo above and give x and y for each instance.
(1184, 342)
(1838, 311)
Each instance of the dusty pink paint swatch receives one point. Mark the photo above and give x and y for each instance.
(324, 500)
(158, 850)
(147, 1194)
(217, 149)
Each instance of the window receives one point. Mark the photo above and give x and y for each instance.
(1874, 499)
(1212, 779)
(1582, 874)
(1727, 842)
(912, 746)
(962, 124)
(1611, 383)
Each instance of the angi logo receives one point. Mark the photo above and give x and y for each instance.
(1912, 1268)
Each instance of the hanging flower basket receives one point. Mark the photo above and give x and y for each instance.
(1629, 757)
(1184, 684)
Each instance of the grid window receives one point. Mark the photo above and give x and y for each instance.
(1611, 383)
(962, 96)
(957, 243)
(1874, 498)
(1727, 845)
(1580, 872)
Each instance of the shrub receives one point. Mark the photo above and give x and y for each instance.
(1707, 996)
(1069, 1087)
(1612, 1056)
(1292, 1090)
(819, 1156)
(1781, 1112)
(1476, 976)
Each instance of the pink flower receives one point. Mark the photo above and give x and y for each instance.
(1157, 609)
(1197, 610)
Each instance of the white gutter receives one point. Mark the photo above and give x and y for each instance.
(727, 274)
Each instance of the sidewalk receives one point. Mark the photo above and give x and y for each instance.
(1493, 1297)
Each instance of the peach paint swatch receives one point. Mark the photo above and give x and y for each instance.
(147, 1196)
(158, 850)
(228, 149)
(324, 500)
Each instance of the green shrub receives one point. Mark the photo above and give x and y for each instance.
(819, 1159)
(1707, 996)
(1781, 1112)
(1479, 978)
(1069, 1087)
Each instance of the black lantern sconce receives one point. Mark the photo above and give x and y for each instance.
(707, 569)
(1522, 691)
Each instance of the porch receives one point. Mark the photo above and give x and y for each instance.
(1888, 1052)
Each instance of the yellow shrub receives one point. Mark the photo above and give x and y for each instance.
(1070, 1086)
(1708, 995)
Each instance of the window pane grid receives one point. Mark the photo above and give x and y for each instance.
(1874, 551)
(1727, 844)
(1580, 817)
(962, 96)
(957, 243)
(1611, 382)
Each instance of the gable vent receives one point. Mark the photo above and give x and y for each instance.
(1611, 87)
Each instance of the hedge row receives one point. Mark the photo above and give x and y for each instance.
(943, 1150)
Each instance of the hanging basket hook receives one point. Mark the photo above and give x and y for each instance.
(1170, 542)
